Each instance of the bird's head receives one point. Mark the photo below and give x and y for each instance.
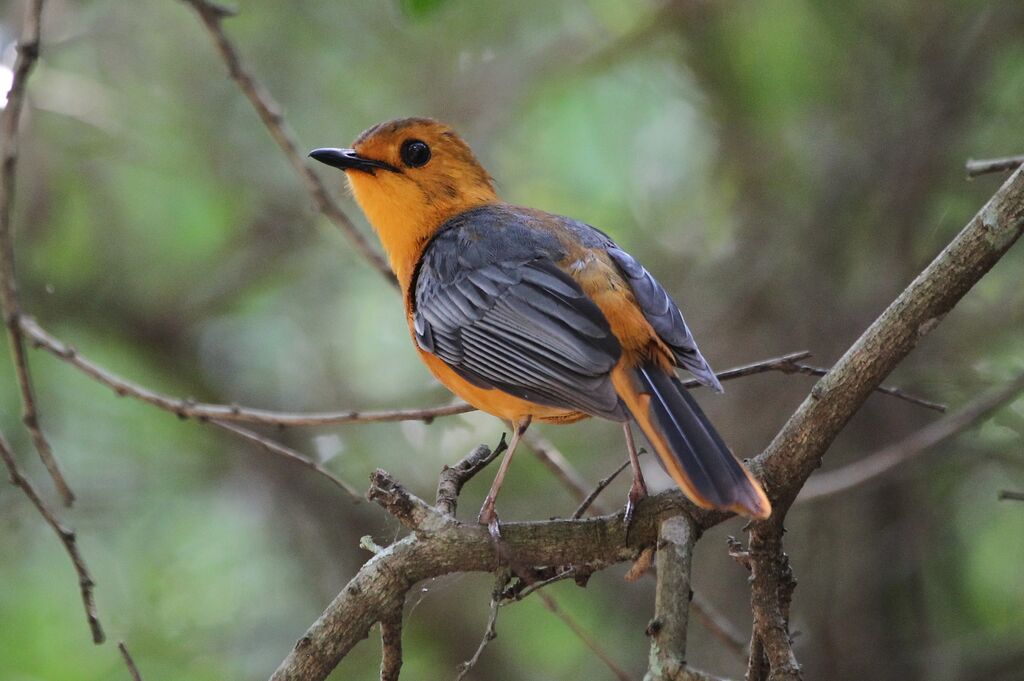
(409, 175)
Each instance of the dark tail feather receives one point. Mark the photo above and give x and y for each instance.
(689, 446)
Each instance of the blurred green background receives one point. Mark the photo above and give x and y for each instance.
(784, 167)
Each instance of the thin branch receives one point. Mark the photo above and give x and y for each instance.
(279, 449)
(992, 165)
(391, 645)
(601, 485)
(887, 389)
(870, 467)
(1009, 495)
(490, 631)
(270, 113)
(129, 662)
(554, 608)
(28, 53)
(66, 535)
(186, 408)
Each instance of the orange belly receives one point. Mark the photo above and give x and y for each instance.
(496, 402)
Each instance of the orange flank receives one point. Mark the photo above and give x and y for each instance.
(532, 316)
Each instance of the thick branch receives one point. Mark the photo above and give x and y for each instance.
(870, 467)
(270, 113)
(391, 644)
(28, 53)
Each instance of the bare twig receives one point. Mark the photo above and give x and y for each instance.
(129, 662)
(800, 368)
(1009, 495)
(66, 535)
(601, 485)
(391, 645)
(569, 621)
(279, 449)
(186, 408)
(270, 113)
(992, 165)
(452, 478)
(28, 53)
(490, 631)
(870, 467)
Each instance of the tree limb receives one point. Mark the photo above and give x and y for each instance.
(270, 113)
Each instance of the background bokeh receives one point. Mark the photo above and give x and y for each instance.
(784, 167)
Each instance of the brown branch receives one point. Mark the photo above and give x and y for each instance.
(449, 484)
(28, 53)
(771, 590)
(601, 485)
(186, 408)
(66, 535)
(870, 467)
(992, 165)
(269, 112)
(887, 389)
(129, 662)
(490, 631)
(1009, 495)
(279, 449)
(391, 645)
(667, 631)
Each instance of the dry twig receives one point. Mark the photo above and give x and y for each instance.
(275, 447)
(28, 53)
(129, 662)
(270, 113)
(66, 535)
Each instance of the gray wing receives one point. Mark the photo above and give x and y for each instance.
(496, 309)
(665, 317)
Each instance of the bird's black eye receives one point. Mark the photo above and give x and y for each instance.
(415, 153)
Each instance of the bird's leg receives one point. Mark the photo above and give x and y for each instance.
(488, 516)
(638, 490)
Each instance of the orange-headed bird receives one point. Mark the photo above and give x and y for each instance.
(528, 315)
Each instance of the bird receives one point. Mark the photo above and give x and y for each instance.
(531, 316)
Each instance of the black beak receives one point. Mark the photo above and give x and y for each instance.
(348, 159)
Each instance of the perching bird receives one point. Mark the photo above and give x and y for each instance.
(528, 315)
